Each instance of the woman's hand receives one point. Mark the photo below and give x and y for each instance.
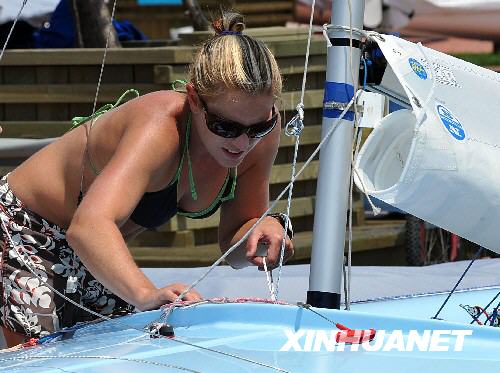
(268, 233)
(156, 298)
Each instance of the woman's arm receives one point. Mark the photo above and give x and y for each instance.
(94, 232)
(251, 201)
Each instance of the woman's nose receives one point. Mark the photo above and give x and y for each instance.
(242, 142)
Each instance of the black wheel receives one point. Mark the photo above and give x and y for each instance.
(427, 244)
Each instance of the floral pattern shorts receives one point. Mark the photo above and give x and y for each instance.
(28, 305)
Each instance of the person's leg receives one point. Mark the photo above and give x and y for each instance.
(12, 338)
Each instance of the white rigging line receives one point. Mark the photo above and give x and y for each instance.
(347, 287)
(245, 236)
(117, 320)
(294, 128)
(86, 151)
(12, 28)
(97, 357)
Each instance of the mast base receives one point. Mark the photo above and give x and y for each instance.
(322, 299)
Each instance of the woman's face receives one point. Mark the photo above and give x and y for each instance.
(233, 106)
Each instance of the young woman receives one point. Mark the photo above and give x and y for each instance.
(68, 211)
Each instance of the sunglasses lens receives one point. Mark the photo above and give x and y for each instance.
(230, 130)
(224, 129)
(262, 129)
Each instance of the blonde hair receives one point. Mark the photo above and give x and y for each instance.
(231, 59)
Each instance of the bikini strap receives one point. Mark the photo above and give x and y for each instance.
(77, 121)
(194, 193)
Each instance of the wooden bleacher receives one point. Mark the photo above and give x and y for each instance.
(43, 89)
(156, 21)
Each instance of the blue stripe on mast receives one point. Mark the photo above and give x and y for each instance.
(341, 93)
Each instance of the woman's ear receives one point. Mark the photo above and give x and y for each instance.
(193, 98)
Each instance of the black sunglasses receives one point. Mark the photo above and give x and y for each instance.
(229, 129)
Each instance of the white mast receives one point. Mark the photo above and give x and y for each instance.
(325, 279)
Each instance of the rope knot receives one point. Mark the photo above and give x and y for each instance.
(295, 126)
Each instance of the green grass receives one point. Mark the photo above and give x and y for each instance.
(486, 59)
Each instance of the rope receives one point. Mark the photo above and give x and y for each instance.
(478, 254)
(245, 236)
(269, 279)
(231, 355)
(42, 280)
(12, 28)
(294, 128)
(92, 116)
(489, 304)
(100, 316)
(140, 361)
(76, 121)
(306, 65)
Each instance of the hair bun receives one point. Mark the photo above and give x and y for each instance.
(230, 23)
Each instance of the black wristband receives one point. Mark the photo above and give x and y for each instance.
(283, 218)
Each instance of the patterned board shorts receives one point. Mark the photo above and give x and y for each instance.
(27, 304)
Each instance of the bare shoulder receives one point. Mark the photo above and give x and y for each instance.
(157, 120)
(155, 107)
(152, 130)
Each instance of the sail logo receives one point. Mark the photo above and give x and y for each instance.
(451, 122)
(395, 340)
(418, 68)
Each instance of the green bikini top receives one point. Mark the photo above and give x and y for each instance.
(156, 208)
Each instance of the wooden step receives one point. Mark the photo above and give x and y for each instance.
(85, 93)
(365, 238)
(45, 129)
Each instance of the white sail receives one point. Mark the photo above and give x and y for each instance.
(439, 161)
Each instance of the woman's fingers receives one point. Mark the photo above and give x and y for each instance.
(171, 292)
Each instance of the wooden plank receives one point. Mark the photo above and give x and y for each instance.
(144, 74)
(288, 66)
(310, 135)
(80, 110)
(122, 74)
(166, 74)
(364, 239)
(34, 129)
(83, 74)
(165, 239)
(302, 206)
(93, 56)
(274, 19)
(287, 48)
(47, 128)
(282, 173)
(295, 64)
(75, 93)
(19, 75)
(154, 55)
(269, 7)
(52, 112)
(20, 112)
(266, 34)
(313, 99)
(52, 75)
(84, 93)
